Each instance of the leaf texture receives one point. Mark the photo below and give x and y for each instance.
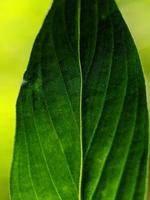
(82, 120)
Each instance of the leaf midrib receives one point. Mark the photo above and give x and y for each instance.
(81, 95)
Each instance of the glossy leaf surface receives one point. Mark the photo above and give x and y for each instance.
(82, 123)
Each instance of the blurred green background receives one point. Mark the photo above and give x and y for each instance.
(20, 22)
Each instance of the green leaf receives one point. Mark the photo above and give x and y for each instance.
(82, 121)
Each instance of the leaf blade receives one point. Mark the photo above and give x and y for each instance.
(82, 123)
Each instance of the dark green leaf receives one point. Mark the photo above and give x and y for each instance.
(82, 122)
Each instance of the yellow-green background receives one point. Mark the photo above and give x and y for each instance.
(20, 21)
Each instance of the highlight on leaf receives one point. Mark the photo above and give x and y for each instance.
(82, 120)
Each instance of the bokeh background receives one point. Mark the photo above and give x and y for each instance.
(20, 22)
